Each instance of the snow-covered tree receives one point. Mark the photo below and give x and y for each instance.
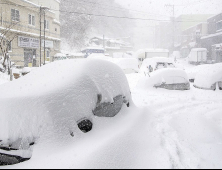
(78, 27)
(6, 38)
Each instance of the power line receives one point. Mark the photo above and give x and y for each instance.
(108, 16)
(120, 8)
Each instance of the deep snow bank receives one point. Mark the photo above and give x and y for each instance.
(49, 101)
(207, 76)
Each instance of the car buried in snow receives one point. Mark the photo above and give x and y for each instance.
(210, 79)
(150, 65)
(57, 102)
(169, 78)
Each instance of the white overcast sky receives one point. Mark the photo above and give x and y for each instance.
(181, 6)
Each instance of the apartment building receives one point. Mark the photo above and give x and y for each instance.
(23, 18)
(213, 41)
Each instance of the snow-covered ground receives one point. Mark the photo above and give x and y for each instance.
(165, 129)
(4, 78)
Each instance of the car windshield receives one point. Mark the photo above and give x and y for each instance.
(161, 65)
(170, 65)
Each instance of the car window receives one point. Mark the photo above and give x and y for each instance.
(170, 65)
(161, 65)
(109, 109)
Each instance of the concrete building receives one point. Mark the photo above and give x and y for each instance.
(23, 18)
(167, 32)
(213, 41)
(112, 45)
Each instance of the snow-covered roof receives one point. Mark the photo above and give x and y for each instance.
(198, 49)
(157, 50)
(211, 35)
(213, 16)
(93, 48)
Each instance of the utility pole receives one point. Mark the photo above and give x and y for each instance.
(104, 42)
(173, 8)
(40, 36)
(42, 11)
(44, 34)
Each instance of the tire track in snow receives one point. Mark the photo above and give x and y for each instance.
(169, 137)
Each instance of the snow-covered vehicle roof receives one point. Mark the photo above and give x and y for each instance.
(99, 56)
(49, 102)
(93, 48)
(153, 63)
(207, 78)
(128, 65)
(156, 52)
(198, 49)
(169, 78)
(198, 55)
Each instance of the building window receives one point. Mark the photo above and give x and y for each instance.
(46, 24)
(32, 20)
(15, 15)
(48, 54)
(219, 25)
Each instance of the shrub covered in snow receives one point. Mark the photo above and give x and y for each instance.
(59, 101)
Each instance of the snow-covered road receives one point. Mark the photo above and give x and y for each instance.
(189, 124)
(165, 129)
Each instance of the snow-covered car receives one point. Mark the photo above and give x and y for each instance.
(170, 78)
(209, 79)
(153, 64)
(192, 72)
(128, 65)
(92, 50)
(57, 102)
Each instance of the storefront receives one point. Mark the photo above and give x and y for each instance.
(30, 46)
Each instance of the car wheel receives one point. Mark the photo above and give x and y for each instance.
(85, 125)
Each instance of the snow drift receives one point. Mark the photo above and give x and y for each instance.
(46, 104)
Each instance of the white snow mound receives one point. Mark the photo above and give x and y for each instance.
(168, 76)
(205, 78)
(50, 100)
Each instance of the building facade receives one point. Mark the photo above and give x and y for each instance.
(176, 35)
(22, 19)
(213, 41)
